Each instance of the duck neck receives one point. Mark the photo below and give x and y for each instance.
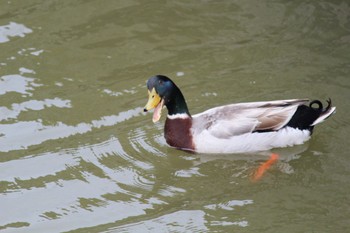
(177, 105)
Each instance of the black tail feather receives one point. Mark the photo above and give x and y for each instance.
(305, 116)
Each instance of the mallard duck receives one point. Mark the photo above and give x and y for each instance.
(234, 128)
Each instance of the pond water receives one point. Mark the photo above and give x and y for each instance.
(77, 154)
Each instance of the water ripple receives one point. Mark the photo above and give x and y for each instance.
(17, 83)
(82, 183)
(223, 209)
(21, 135)
(180, 221)
(13, 30)
(140, 141)
(16, 108)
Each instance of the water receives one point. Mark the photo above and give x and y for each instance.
(78, 154)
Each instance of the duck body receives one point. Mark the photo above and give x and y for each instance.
(234, 128)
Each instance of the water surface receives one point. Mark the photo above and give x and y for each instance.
(77, 154)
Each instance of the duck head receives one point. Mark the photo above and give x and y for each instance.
(162, 91)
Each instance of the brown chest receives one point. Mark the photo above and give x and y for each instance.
(178, 134)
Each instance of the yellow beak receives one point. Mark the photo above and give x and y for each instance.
(154, 101)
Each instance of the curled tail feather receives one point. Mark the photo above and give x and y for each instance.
(324, 113)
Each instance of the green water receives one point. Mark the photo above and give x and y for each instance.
(78, 154)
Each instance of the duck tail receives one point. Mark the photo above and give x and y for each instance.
(306, 117)
(324, 113)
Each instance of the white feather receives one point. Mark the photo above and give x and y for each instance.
(236, 119)
(178, 116)
(232, 128)
(324, 116)
(250, 142)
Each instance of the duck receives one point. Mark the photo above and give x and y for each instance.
(233, 128)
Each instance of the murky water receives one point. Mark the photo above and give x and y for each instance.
(78, 154)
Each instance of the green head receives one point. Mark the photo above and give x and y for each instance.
(163, 91)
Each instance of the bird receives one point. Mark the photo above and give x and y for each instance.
(234, 128)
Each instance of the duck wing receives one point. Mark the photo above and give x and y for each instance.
(237, 119)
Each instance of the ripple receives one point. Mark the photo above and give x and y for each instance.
(100, 191)
(62, 195)
(117, 165)
(30, 51)
(114, 119)
(194, 171)
(180, 221)
(113, 147)
(65, 203)
(140, 141)
(13, 30)
(24, 70)
(229, 205)
(171, 191)
(17, 83)
(21, 135)
(225, 223)
(225, 208)
(26, 168)
(16, 108)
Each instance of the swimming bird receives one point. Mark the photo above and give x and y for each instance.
(233, 128)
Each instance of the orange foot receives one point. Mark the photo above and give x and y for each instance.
(263, 167)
